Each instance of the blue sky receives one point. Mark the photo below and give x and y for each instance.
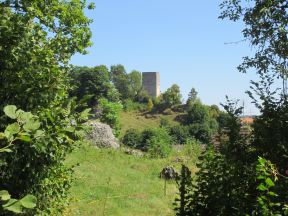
(183, 40)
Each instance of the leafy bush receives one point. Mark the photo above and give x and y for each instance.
(39, 41)
(179, 133)
(150, 105)
(165, 122)
(172, 96)
(184, 182)
(159, 146)
(132, 138)
(109, 114)
(157, 142)
(201, 132)
(129, 105)
(45, 140)
(192, 147)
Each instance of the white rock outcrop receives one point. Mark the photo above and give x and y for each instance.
(101, 135)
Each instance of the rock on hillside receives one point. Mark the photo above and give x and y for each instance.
(101, 136)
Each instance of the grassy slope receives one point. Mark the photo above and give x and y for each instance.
(132, 184)
(138, 121)
(110, 182)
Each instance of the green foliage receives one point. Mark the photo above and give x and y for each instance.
(36, 44)
(150, 105)
(156, 141)
(265, 28)
(142, 96)
(45, 140)
(133, 138)
(172, 96)
(179, 134)
(121, 81)
(16, 206)
(159, 144)
(129, 105)
(135, 82)
(201, 124)
(198, 114)
(184, 182)
(165, 122)
(223, 119)
(109, 114)
(225, 182)
(37, 40)
(91, 81)
(267, 176)
(10, 135)
(193, 148)
(214, 111)
(192, 98)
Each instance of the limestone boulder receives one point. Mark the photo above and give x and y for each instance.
(101, 136)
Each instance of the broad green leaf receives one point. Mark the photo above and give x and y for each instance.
(2, 136)
(85, 114)
(39, 133)
(29, 201)
(269, 182)
(12, 129)
(24, 138)
(25, 116)
(6, 150)
(10, 111)
(13, 205)
(4, 195)
(271, 193)
(261, 187)
(70, 129)
(31, 125)
(19, 112)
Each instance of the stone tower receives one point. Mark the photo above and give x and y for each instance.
(151, 83)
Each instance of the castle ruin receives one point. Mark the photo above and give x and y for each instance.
(151, 83)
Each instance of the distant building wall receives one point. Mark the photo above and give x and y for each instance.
(151, 83)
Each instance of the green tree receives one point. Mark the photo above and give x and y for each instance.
(91, 81)
(121, 81)
(184, 182)
(192, 97)
(172, 96)
(234, 169)
(135, 79)
(37, 40)
(109, 114)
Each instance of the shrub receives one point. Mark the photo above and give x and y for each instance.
(179, 133)
(129, 105)
(132, 138)
(165, 122)
(110, 114)
(157, 141)
(201, 132)
(45, 140)
(150, 105)
(193, 147)
(159, 146)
